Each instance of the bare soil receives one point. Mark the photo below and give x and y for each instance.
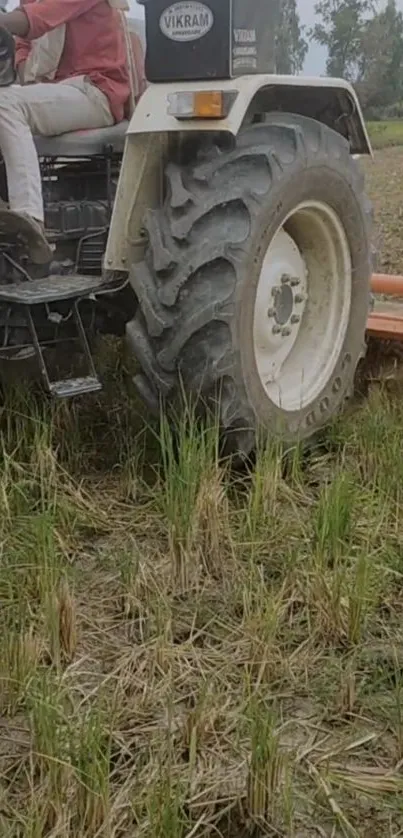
(385, 188)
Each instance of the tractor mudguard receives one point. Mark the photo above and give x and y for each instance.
(247, 99)
(331, 101)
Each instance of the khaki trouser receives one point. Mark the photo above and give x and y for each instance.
(47, 109)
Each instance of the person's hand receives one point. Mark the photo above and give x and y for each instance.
(15, 22)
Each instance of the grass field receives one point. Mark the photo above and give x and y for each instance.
(186, 652)
(386, 134)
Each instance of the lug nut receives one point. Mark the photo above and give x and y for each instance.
(299, 298)
(276, 330)
(286, 332)
(295, 318)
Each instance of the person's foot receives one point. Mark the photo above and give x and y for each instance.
(40, 251)
(29, 231)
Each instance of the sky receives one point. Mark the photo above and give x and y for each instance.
(316, 57)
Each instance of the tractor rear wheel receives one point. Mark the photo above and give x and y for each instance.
(254, 291)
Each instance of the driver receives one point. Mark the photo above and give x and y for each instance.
(72, 65)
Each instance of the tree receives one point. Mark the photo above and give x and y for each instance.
(365, 46)
(380, 77)
(340, 31)
(290, 45)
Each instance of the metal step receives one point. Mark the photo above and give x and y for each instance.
(66, 388)
(51, 289)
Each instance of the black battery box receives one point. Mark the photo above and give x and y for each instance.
(209, 39)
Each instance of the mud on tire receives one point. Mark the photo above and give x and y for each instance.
(196, 288)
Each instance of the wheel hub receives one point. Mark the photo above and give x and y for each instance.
(280, 304)
(283, 303)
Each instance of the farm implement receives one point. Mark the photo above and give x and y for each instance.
(385, 321)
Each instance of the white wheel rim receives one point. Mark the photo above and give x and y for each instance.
(302, 306)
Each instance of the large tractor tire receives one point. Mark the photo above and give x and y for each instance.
(254, 291)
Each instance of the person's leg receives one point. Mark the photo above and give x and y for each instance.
(46, 109)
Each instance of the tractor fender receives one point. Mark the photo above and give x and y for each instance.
(329, 101)
(333, 102)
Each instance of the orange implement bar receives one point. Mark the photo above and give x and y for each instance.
(385, 326)
(387, 284)
(386, 321)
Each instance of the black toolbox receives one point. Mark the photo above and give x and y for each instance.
(209, 39)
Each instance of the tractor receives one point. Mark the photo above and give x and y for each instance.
(224, 229)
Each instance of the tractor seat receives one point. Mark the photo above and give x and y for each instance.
(89, 143)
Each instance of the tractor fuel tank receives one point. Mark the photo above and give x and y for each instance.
(208, 39)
